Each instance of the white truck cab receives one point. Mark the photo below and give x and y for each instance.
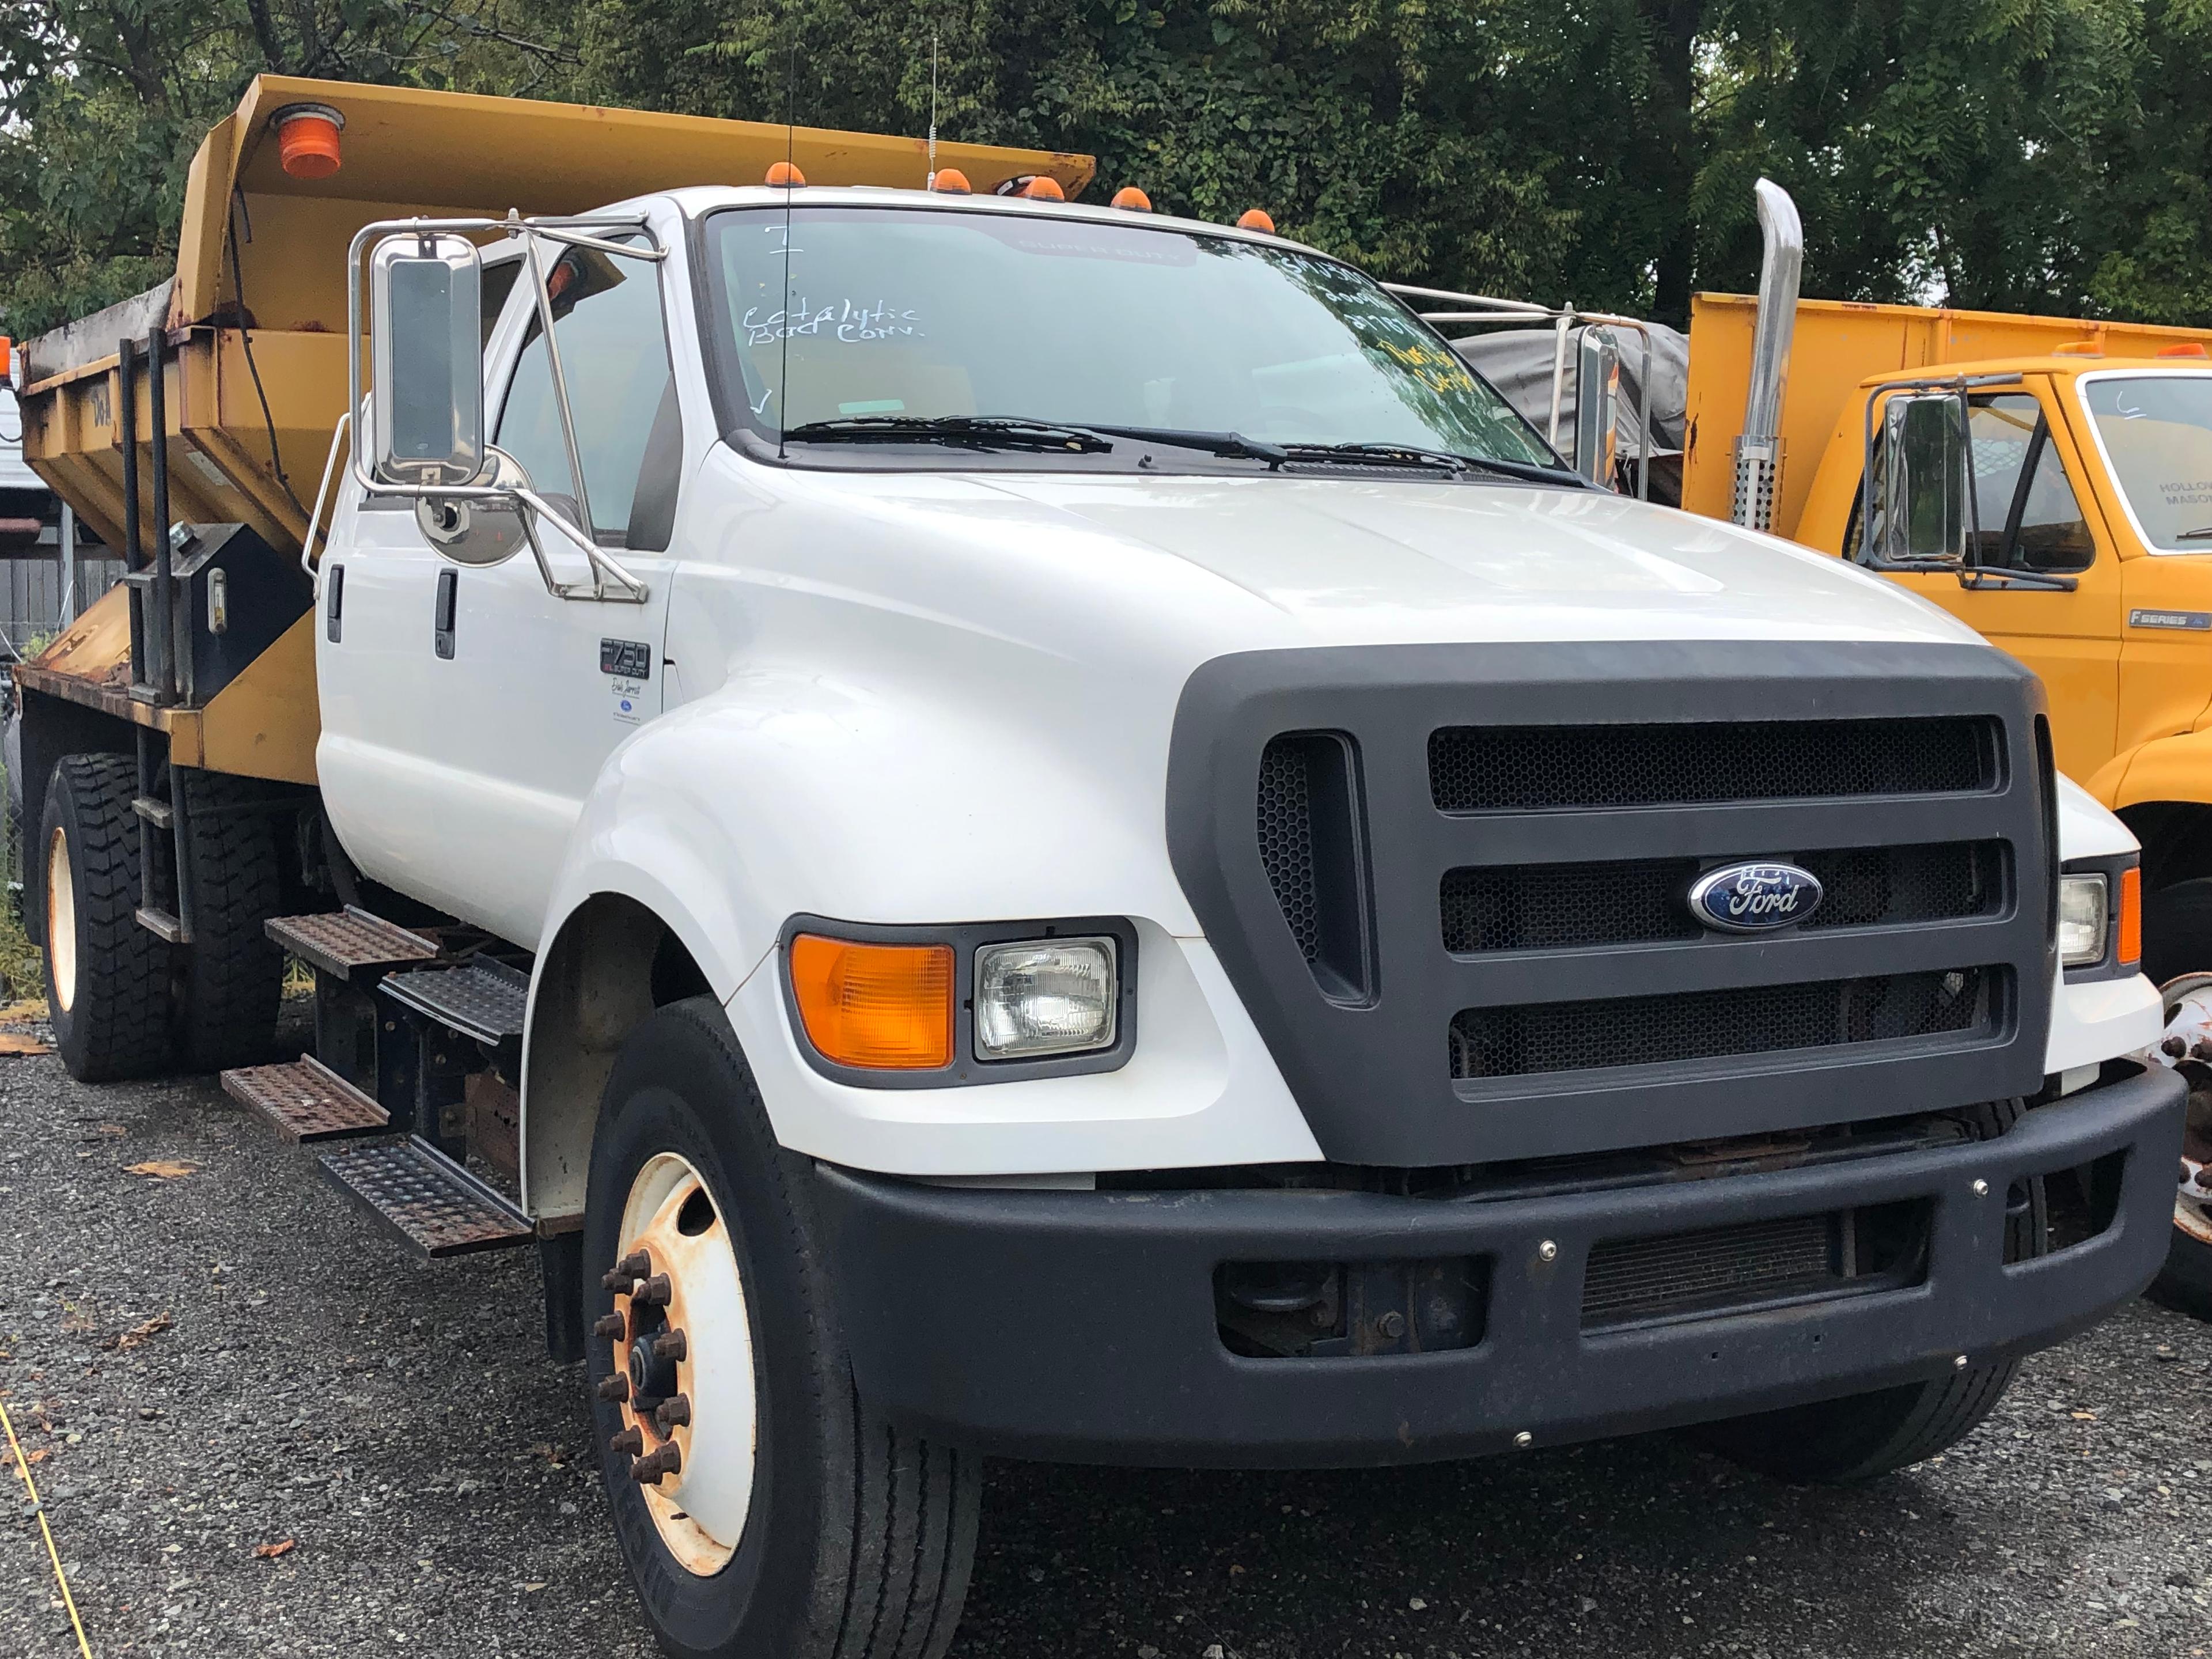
(1110, 859)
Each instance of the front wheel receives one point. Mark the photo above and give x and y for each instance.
(761, 1507)
(2185, 1284)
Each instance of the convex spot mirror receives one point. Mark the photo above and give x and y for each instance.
(427, 356)
(1920, 503)
(479, 530)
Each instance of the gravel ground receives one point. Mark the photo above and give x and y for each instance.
(215, 1363)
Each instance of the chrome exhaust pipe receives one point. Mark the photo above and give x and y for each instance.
(1758, 448)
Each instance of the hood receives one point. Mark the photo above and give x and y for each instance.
(1352, 561)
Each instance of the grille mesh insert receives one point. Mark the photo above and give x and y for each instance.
(1639, 902)
(1640, 1277)
(1527, 768)
(1286, 838)
(1533, 1038)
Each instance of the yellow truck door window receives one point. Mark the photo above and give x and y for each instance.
(2032, 518)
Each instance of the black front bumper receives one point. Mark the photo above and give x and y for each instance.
(1080, 1326)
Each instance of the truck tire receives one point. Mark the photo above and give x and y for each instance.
(232, 973)
(2176, 946)
(803, 1526)
(1863, 1437)
(107, 978)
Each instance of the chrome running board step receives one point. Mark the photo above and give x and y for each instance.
(343, 941)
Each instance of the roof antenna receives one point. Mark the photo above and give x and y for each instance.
(791, 166)
(931, 185)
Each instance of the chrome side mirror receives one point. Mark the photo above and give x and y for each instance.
(425, 308)
(1920, 494)
(1597, 401)
(479, 530)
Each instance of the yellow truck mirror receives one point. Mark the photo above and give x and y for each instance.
(1920, 481)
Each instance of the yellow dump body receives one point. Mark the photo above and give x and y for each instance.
(1838, 345)
(283, 248)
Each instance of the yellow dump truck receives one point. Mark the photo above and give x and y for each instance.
(2079, 539)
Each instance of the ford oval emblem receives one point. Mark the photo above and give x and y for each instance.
(1753, 898)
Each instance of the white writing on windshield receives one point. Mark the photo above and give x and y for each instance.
(848, 320)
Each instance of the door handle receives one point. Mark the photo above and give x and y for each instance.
(441, 620)
(334, 625)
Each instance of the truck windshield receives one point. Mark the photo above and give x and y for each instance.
(2155, 431)
(891, 317)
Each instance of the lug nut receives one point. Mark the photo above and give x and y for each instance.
(1391, 1326)
(2173, 1047)
(627, 1442)
(670, 1344)
(636, 1264)
(648, 1469)
(615, 1388)
(617, 1282)
(654, 1292)
(613, 1327)
(2202, 1049)
(674, 1412)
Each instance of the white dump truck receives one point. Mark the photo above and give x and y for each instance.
(1006, 827)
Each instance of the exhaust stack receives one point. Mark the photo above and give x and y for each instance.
(1759, 449)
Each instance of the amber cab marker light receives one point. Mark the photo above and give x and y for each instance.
(878, 1007)
(950, 181)
(1131, 199)
(785, 174)
(6, 358)
(2078, 349)
(307, 140)
(2130, 946)
(1256, 219)
(1044, 188)
(2188, 349)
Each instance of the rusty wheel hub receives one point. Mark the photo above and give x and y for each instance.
(2187, 1048)
(683, 1365)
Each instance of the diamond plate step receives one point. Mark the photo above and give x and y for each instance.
(304, 1100)
(343, 940)
(436, 1207)
(485, 1000)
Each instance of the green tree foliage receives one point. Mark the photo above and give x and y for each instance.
(2044, 154)
(102, 103)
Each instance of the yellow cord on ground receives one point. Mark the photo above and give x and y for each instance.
(23, 1467)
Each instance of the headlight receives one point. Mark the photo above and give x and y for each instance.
(1054, 996)
(2082, 901)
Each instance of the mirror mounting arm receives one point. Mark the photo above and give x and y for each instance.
(1977, 579)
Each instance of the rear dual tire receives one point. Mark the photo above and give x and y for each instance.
(122, 1003)
(856, 1539)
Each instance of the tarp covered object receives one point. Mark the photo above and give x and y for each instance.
(1518, 362)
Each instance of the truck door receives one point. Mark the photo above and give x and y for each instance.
(2034, 518)
(493, 705)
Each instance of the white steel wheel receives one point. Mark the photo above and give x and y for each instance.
(685, 1355)
(61, 920)
(2187, 1048)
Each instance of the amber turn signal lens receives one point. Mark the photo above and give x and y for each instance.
(950, 181)
(1130, 199)
(2131, 914)
(1044, 188)
(785, 174)
(2190, 349)
(884, 1007)
(1256, 219)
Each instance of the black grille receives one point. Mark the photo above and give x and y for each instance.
(1718, 1269)
(1529, 769)
(1637, 902)
(1287, 837)
(1568, 1036)
(1640, 1277)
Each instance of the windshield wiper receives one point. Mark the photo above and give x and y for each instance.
(960, 431)
(2195, 535)
(1230, 446)
(1438, 461)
